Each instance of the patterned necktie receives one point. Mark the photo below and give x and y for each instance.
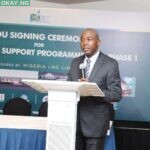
(87, 69)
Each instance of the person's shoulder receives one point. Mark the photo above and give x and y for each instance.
(108, 58)
(78, 58)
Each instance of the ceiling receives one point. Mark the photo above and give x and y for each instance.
(112, 5)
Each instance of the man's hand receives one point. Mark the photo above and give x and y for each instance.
(83, 80)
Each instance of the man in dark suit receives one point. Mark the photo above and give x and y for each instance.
(93, 112)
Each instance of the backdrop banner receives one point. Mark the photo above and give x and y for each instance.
(49, 50)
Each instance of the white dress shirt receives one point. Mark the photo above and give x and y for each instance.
(93, 60)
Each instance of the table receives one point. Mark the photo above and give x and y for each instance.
(29, 133)
(22, 133)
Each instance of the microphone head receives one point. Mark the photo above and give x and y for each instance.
(82, 66)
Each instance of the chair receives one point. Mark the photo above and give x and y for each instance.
(17, 106)
(43, 109)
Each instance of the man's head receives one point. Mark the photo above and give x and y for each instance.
(90, 42)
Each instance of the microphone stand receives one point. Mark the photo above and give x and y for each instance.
(83, 75)
(82, 67)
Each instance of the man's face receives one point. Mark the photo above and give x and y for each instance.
(89, 42)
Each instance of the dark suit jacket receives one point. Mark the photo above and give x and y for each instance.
(93, 112)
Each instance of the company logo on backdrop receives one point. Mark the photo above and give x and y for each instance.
(14, 2)
(52, 76)
(38, 18)
(2, 96)
(128, 86)
(10, 81)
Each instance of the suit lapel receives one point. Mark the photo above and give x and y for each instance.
(96, 67)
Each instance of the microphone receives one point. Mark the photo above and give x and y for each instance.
(82, 67)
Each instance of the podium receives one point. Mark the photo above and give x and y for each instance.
(63, 97)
